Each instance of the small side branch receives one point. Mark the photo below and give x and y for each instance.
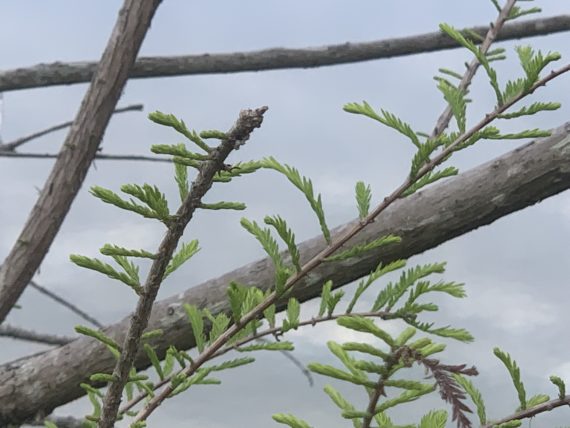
(493, 33)
(533, 411)
(11, 146)
(13, 332)
(100, 156)
(66, 303)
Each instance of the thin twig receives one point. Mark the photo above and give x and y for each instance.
(246, 123)
(100, 156)
(291, 357)
(13, 332)
(44, 75)
(444, 119)
(274, 331)
(66, 303)
(376, 394)
(16, 143)
(533, 411)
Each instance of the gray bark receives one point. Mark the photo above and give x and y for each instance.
(77, 152)
(475, 198)
(58, 73)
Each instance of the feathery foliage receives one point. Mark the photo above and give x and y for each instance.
(305, 185)
(380, 362)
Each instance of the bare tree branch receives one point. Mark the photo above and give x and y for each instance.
(16, 143)
(101, 156)
(533, 411)
(31, 336)
(475, 198)
(66, 303)
(58, 73)
(77, 153)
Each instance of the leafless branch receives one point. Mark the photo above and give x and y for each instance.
(66, 303)
(291, 357)
(11, 146)
(533, 411)
(522, 177)
(101, 156)
(77, 153)
(43, 75)
(7, 330)
(240, 132)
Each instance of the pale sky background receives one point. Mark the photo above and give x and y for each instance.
(516, 269)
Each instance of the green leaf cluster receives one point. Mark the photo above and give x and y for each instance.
(269, 244)
(305, 185)
(179, 126)
(361, 249)
(155, 201)
(329, 300)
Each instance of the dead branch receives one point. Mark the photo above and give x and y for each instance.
(11, 146)
(58, 73)
(13, 332)
(77, 152)
(73, 308)
(533, 411)
(101, 156)
(424, 220)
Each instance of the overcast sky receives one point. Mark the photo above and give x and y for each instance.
(516, 269)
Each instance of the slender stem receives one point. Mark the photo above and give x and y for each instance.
(533, 411)
(66, 303)
(16, 143)
(7, 330)
(100, 156)
(275, 331)
(291, 357)
(248, 120)
(374, 397)
(444, 119)
(391, 361)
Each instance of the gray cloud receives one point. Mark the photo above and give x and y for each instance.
(514, 269)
